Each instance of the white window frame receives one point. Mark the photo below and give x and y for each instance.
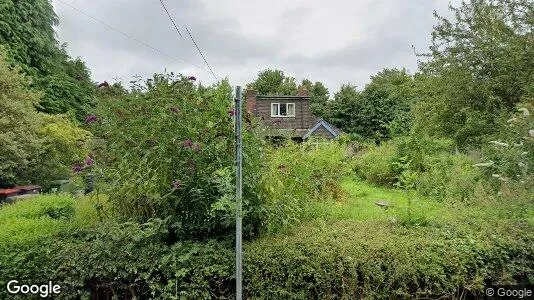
(277, 105)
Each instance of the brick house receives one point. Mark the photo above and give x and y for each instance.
(288, 115)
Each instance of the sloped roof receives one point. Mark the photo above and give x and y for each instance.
(281, 97)
(334, 131)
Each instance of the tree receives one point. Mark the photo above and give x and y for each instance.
(27, 33)
(479, 67)
(346, 102)
(388, 99)
(379, 111)
(319, 96)
(274, 82)
(35, 148)
(26, 30)
(19, 123)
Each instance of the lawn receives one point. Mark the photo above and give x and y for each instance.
(360, 201)
(359, 204)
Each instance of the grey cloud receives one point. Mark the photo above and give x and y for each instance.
(219, 38)
(231, 52)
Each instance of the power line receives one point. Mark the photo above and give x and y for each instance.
(170, 17)
(205, 60)
(192, 39)
(132, 37)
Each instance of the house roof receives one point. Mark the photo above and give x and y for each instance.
(280, 97)
(334, 131)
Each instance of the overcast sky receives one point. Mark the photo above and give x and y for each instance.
(334, 41)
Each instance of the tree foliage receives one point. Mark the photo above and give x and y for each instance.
(379, 111)
(19, 124)
(34, 147)
(27, 33)
(319, 96)
(480, 66)
(274, 82)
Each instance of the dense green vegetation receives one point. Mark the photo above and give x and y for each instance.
(29, 39)
(427, 194)
(380, 111)
(347, 248)
(36, 147)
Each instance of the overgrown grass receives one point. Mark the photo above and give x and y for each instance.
(410, 208)
(360, 205)
(53, 206)
(36, 219)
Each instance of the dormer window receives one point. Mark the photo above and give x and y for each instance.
(282, 109)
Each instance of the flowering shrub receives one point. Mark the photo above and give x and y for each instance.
(509, 155)
(167, 151)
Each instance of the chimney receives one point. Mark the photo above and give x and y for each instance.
(251, 102)
(303, 91)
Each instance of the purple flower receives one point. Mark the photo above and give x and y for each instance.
(88, 161)
(77, 168)
(90, 119)
(231, 112)
(176, 184)
(175, 109)
(196, 147)
(188, 143)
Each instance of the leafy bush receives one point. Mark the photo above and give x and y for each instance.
(376, 164)
(53, 206)
(355, 260)
(296, 175)
(63, 143)
(450, 176)
(36, 148)
(510, 151)
(167, 151)
(29, 229)
(429, 166)
(340, 260)
(147, 266)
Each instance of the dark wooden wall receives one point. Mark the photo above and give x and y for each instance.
(303, 119)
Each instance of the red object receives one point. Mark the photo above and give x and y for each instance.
(28, 187)
(9, 192)
(19, 190)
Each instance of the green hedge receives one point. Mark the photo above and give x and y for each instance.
(341, 260)
(346, 259)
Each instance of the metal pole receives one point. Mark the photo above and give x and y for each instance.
(239, 195)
